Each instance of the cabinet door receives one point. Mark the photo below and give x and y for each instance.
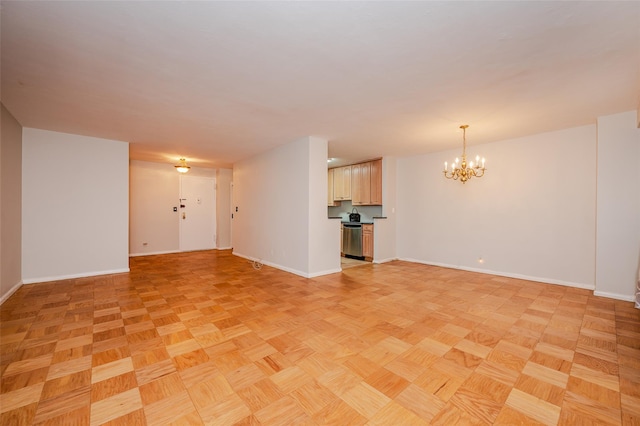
(338, 176)
(330, 197)
(342, 183)
(365, 178)
(356, 185)
(346, 183)
(367, 241)
(361, 184)
(376, 183)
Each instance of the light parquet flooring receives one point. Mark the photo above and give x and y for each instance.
(204, 338)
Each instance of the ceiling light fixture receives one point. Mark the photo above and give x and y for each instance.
(459, 170)
(182, 166)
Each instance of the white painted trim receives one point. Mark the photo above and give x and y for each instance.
(614, 296)
(153, 253)
(10, 292)
(273, 265)
(68, 277)
(284, 268)
(224, 248)
(326, 272)
(506, 274)
(390, 259)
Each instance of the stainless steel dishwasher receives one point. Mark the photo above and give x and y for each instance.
(352, 240)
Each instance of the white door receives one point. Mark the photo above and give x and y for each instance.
(197, 213)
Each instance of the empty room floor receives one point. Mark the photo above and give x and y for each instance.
(204, 338)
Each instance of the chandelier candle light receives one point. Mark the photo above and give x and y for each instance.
(459, 170)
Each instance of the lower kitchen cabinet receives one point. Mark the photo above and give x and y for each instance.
(367, 241)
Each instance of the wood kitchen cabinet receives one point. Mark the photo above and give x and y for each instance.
(376, 183)
(331, 202)
(342, 183)
(367, 241)
(366, 181)
(360, 184)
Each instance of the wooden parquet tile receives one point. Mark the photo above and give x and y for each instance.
(203, 338)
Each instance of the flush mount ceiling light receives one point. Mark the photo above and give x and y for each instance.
(182, 166)
(459, 170)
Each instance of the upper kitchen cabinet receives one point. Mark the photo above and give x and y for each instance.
(376, 182)
(360, 184)
(366, 183)
(342, 183)
(331, 202)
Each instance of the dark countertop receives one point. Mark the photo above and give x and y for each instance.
(365, 222)
(368, 222)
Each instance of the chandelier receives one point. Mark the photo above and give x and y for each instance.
(460, 170)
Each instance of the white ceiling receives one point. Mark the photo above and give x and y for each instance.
(220, 81)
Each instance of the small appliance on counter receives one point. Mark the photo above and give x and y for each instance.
(354, 216)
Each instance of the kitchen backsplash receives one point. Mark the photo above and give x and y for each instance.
(367, 213)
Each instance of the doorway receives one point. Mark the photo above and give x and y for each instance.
(197, 213)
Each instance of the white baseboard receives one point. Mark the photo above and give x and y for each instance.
(224, 248)
(286, 269)
(325, 272)
(616, 296)
(71, 276)
(153, 253)
(390, 259)
(195, 250)
(506, 274)
(10, 292)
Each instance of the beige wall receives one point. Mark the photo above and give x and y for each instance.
(535, 214)
(10, 205)
(74, 219)
(531, 216)
(384, 230)
(618, 207)
(154, 191)
(281, 196)
(224, 179)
